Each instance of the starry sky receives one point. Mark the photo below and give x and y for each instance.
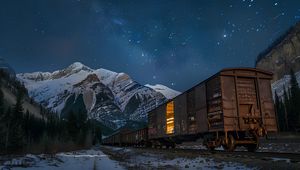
(177, 43)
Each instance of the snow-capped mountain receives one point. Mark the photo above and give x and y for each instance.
(166, 91)
(110, 97)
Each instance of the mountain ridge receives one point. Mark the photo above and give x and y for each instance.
(282, 55)
(110, 97)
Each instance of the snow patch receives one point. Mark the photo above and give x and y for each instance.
(85, 159)
(166, 91)
(283, 84)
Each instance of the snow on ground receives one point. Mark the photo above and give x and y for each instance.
(158, 161)
(282, 146)
(281, 159)
(119, 158)
(135, 159)
(80, 160)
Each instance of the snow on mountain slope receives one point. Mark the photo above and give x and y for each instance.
(166, 91)
(110, 97)
(283, 83)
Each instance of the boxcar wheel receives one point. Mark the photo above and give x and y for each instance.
(211, 148)
(253, 147)
(207, 145)
(173, 146)
(230, 146)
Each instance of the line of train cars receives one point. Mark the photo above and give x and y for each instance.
(232, 108)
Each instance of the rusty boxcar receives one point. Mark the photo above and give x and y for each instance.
(116, 138)
(126, 137)
(136, 138)
(232, 108)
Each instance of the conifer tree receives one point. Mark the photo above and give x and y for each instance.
(277, 107)
(98, 134)
(7, 119)
(2, 120)
(16, 133)
(72, 125)
(26, 125)
(82, 128)
(287, 112)
(281, 116)
(294, 101)
(1, 102)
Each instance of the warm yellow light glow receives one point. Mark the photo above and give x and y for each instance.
(170, 122)
(170, 117)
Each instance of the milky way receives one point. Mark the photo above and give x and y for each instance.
(175, 43)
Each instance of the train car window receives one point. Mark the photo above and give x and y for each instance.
(170, 118)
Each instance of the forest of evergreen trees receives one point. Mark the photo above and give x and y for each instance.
(288, 107)
(22, 132)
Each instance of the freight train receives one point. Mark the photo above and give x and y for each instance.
(232, 108)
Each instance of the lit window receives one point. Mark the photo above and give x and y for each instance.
(170, 117)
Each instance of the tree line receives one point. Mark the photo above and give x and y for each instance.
(23, 132)
(288, 106)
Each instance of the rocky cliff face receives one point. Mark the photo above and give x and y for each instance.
(283, 55)
(6, 67)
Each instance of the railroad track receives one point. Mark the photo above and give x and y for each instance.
(293, 157)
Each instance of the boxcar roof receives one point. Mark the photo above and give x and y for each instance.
(248, 69)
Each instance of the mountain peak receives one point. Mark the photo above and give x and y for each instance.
(166, 91)
(77, 66)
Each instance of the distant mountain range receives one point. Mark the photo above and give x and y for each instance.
(112, 98)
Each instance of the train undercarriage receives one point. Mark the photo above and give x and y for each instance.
(228, 140)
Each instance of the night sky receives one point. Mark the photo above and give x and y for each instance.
(175, 43)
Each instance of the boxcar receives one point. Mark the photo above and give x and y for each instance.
(117, 138)
(136, 138)
(232, 108)
(126, 137)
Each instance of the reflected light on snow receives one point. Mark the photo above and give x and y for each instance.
(81, 156)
